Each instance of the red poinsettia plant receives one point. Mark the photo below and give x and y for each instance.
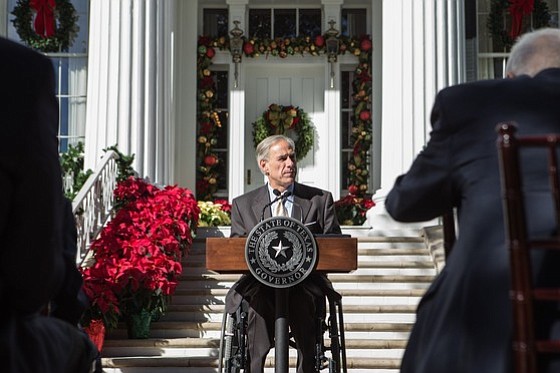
(351, 210)
(136, 261)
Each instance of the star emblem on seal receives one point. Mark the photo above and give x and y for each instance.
(280, 249)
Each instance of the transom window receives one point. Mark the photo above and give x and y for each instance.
(280, 22)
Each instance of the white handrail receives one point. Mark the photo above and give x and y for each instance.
(93, 204)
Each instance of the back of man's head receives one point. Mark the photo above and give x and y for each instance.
(534, 52)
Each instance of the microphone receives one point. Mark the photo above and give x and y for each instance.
(279, 196)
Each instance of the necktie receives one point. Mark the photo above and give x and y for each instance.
(280, 209)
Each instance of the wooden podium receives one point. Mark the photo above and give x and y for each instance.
(336, 254)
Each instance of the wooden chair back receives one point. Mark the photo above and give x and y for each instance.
(524, 295)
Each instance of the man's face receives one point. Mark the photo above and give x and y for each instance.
(281, 166)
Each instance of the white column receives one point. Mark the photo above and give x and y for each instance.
(125, 76)
(330, 138)
(96, 114)
(127, 85)
(137, 84)
(150, 91)
(237, 10)
(186, 19)
(422, 45)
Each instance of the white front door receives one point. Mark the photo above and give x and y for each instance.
(284, 84)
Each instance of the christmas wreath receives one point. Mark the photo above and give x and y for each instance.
(291, 121)
(54, 27)
(516, 9)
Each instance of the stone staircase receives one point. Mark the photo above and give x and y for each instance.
(379, 302)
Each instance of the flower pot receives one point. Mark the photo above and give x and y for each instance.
(138, 325)
(96, 331)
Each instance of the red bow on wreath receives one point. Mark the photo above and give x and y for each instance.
(518, 9)
(44, 21)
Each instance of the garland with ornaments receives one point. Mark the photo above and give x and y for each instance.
(46, 25)
(290, 121)
(514, 12)
(209, 125)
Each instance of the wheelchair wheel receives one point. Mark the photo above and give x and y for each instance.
(332, 357)
(336, 333)
(335, 326)
(233, 343)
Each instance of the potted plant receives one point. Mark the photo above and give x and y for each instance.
(214, 219)
(103, 311)
(352, 209)
(137, 257)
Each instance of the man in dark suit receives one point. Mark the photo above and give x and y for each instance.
(31, 213)
(464, 321)
(70, 302)
(315, 208)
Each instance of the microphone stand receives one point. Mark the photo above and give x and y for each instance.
(279, 196)
(281, 322)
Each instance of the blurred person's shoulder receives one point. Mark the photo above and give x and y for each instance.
(13, 48)
(16, 56)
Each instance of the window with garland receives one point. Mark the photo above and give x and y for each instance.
(69, 57)
(495, 27)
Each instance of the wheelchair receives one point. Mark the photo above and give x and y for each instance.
(233, 344)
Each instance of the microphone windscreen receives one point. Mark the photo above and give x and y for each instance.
(276, 192)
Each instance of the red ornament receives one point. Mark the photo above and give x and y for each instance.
(248, 48)
(319, 41)
(210, 160)
(210, 52)
(352, 189)
(365, 45)
(365, 115)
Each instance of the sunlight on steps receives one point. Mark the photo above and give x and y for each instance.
(379, 302)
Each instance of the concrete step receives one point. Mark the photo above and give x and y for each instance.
(379, 304)
(199, 363)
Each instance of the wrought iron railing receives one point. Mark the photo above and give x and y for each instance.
(93, 204)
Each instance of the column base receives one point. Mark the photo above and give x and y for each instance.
(384, 225)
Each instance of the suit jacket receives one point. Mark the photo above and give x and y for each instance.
(464, 321)
(70, 302)
(31, 214)
(312, 206)
(30, 180)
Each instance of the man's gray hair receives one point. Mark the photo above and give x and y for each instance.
(534, 52)
(263, 148)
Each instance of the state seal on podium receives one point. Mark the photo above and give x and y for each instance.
(281, 252)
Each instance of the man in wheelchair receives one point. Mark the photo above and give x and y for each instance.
(282, 196)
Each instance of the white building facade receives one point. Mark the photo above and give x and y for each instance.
(142, 81)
